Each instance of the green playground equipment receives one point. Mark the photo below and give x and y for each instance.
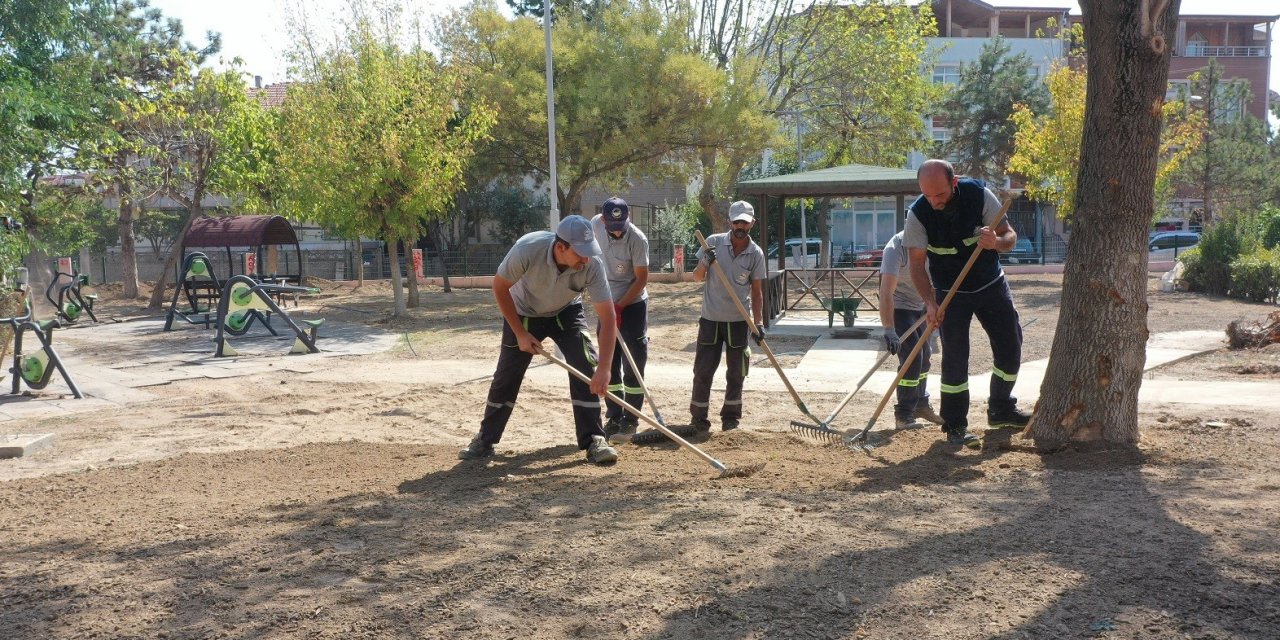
(72, 300)
(35, 368)
(198, 288)
(243, 300)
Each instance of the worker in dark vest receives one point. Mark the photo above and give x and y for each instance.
(945, 225)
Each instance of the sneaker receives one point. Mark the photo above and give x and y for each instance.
(599, 451)
(926, 413)
(962, 437)
(476, 450)
(701, 425)
(622, 432)
(728, 425)
(907, 423)
(1010, 417)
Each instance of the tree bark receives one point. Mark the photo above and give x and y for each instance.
(436, 237)
(397, 289)
(413, 274)
(128, 244)
(1090, 391)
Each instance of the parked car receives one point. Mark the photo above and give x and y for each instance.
(1023, 253)
(1174, 240)
(812, 249)
(868, 258)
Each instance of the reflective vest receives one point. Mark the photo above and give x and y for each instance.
(952, 238)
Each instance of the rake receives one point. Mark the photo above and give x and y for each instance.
(651, 436)
(746, 315)
(859, 440)
(823, 430)
(725, 472)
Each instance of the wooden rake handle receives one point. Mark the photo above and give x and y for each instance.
(928, 331)
(872, 370)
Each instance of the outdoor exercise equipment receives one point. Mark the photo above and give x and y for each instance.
(244, 300)
(746, 315)
(725, 472)
(928, 331)
(198, 287)
(71, 299)
(823, 429)
(35, 368)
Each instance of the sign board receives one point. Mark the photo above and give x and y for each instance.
(677, 258)
(417, 263)
(250, 263)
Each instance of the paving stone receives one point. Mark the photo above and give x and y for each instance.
(22, 444)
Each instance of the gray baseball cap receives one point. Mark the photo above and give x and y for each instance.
(742, 210)
(576, 230)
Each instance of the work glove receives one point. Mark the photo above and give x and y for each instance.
(617, 314)
(709, 254)
(758, 334)
(891, 341)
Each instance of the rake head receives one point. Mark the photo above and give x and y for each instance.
(653, 436)
(817, 432)
(740, 472)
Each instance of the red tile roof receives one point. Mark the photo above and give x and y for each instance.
(271, 95)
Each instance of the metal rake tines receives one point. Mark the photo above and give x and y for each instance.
(816, 432)
(653, 436)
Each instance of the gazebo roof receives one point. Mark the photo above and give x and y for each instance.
(847, 180)
(239, 231)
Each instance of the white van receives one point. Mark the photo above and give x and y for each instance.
(810, 261)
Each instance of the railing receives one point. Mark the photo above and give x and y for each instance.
(1205, 51)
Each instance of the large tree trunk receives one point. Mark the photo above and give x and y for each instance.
(413, 274)
(128, 245)
(1090, 392)
(707, 193)
(436, 237)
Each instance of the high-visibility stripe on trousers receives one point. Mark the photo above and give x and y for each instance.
(993, 306)
(634, 333)
(731, 337)
(568, 330)
(911, 390)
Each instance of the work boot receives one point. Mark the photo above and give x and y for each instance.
(1009, 416)
(961, 436)
(701, 425)
(623, 429)
(906, 423)
(599, 451)
(728, 424)
(476, 450)
(926, 413)
(612, 427)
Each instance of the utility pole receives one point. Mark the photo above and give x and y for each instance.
(554, 215)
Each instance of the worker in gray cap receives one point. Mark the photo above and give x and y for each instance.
(538, 289)
(626, 260)
(720, 326)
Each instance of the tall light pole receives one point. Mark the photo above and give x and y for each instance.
(554, 215)
(804, 231)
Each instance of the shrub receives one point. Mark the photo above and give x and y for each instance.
(1207, 267)
(1256, 276)
(1269, 226)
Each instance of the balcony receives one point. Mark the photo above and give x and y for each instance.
(1194, 50)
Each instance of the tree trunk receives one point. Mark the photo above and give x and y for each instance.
(194, 211)
(1090, 391)
(397, 289)
(707, 193)
(128, 246)
(436, 237)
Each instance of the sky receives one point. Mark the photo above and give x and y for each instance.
(255, 30)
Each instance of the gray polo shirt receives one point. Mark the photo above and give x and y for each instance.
(740, 269)
(541, 289)
(894, 263)
(622, 256)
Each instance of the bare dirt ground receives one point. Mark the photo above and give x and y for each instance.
(331, 505)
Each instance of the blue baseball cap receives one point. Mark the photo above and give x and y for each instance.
(615, 213)
(577, 232)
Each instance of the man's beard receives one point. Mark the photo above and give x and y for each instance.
(739, 234)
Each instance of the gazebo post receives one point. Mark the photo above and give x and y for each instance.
(782, 232)
(900, 217)
(764, 228)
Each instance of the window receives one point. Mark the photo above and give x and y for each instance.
(946, 74)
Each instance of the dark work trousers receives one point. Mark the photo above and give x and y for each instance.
(994, 309)
(624, 382)
(569, 331)
(911, 389)
(712, 337)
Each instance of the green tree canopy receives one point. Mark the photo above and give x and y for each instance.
(374, 140)
(978, 110)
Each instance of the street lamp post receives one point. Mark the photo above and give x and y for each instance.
(554, 215)
(804, 231)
